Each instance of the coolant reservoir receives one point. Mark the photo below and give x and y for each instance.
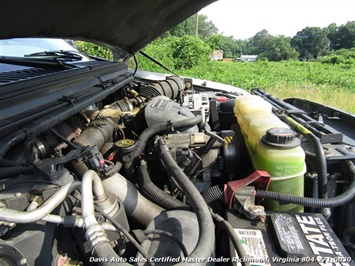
(250, 104)
(280, 154)
(257, 127)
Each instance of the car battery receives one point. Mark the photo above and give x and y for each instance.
(287, 239)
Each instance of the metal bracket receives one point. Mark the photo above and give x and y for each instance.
(240, 196)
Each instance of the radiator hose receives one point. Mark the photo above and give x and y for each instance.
(131, 158)
(154, 193)
(205, 245)
(216, 193)
(339, 200)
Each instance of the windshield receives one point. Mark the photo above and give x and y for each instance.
(25, 46)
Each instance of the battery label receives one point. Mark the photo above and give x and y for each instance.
(289, 237)
(254, 246)
(308, 238)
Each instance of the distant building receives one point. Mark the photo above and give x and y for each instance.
(227, 59)
(247, 58)
(217, 55)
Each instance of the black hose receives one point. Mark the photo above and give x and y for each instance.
(339, 200)
(151, 131)
(155, 129)
(212, 194)
(205, 245)
(126, 233)
(321, 161)
(15, 171)
(98, 132)
(11, 140)
(8, 163)
(115, 168)
(318, 150)
(342, 199)
(171, 236)
(63, 139)
(108, 256)
(152, 192)
(224, 225)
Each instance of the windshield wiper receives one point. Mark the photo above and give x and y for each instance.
(60, 54)
(36, 62)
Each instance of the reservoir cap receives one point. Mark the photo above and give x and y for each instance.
(126, 145)
(281, 137)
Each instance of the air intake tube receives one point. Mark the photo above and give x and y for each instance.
(170, 87)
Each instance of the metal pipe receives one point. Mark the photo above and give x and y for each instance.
(136, 206)
(74, 221)
(52, 119)
(91, 183)
(22, 217)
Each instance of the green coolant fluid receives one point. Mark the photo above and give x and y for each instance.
(279, 153)
(250, 104)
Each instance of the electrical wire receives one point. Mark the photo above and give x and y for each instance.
(171, 236)
(224, 225)
(126, 233)
(62, 138)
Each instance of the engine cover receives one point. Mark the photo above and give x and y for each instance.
(161, 109)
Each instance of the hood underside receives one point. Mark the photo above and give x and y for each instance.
(120, 24)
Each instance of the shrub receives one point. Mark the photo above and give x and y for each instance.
(189, 51)
(342, 56)
(94, 50)
(175, 53)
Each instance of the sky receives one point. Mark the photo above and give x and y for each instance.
(242, 19)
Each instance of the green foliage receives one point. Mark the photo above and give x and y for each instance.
(342, 56)
(307, 44)
(231, 48)
(205, 28)
(259, 42)
(310, 42)
(215, 41)
(278, 49)
(330, 84)
(175, 53)
(332, 35)
(189, 51)
(161, 50)
(94, 49)
(343, 36)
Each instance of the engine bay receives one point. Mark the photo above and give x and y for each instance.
(149, 172)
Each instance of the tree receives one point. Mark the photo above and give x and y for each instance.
(189, 51)
(345, 36)
(279, 48)
(332, 35)
(231, 48)
(259, 42)
(310, 42)
(206, 28)
(215, 41)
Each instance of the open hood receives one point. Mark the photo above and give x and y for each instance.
(120, 24)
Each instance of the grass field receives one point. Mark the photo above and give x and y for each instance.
(333, 85)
